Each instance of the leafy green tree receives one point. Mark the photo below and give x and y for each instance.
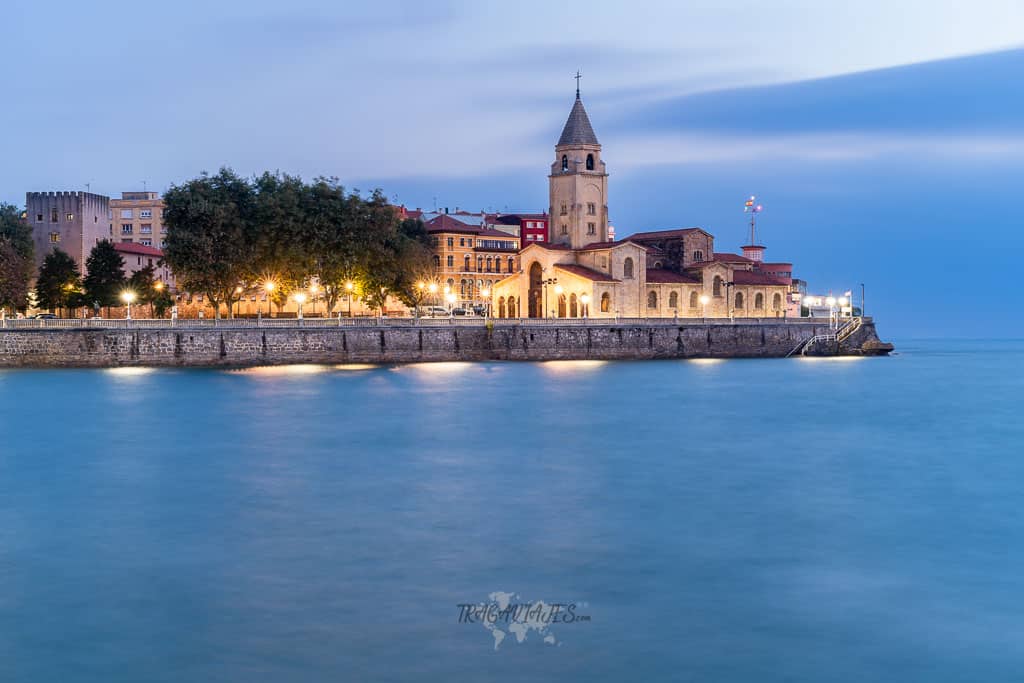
(59, 283)
(16, 258)
(104, 276)
(211, 236)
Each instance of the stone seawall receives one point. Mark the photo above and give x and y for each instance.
(226, 346)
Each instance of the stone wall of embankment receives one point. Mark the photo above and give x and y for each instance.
(229, 346)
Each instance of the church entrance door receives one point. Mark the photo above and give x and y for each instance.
(536, 287)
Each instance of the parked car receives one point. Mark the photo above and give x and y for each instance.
(480, 309)
(45, 316)
(436, 312)
(460, 311)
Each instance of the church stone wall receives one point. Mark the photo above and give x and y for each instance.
(254, 346)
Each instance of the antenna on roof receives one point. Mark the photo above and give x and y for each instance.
(578, 77)
(145, 186)
(753, 208)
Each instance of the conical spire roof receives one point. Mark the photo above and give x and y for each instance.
(578, 130)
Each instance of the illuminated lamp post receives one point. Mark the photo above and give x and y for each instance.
(349, 286)
(128, 297)
(704, 300)
(238, 301)
(269, 286)
(831, 301)
(300, 298)
(450, 298)
(486, 294)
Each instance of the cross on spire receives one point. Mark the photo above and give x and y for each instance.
(578, 77)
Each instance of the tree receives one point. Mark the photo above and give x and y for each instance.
(211, 235)
(59, 283)
(16, 258)
(104, 276)
(399, 256)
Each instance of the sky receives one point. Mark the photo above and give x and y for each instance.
(885, 140)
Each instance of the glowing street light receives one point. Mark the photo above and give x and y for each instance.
(300, 299)
(704, 301)
(486, 294)
(349, 286)
(450, 298)
(269, 286)
(128, 297)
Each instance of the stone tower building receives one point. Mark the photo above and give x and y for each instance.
(578, 184)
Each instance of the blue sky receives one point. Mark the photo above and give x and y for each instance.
(887, 143)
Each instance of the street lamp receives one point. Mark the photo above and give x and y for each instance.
(128, 297)
(450, 298)
(486, 294)
(348, 289)
(300, 299)
(842, 305)
(269, 287)
(831, 301)
(238, 300)
(585, 300)
(704, 300)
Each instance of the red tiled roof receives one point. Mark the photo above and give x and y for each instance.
(495, 233)
(548, 245)
(663, 234)
(611, 243)
(746, 277)
(657, 275)
(584, 272)
(780, 266)
(445, 223)
(726, 257)
(133, 248)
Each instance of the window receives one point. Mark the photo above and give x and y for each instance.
(511, 264)
(673, 300)
(591, 228)
(590, 162)
(126, 229)
(469, 242)
(490, 264)
(561, 305)
(128, 240)
(147, 243)
(652, 299)
(462, 288)
(462, 241)
(739, 300)
(698, 256)
(437, 261)
(716, 287)
(147, 229)
(126, 213)
(776, 302)
(465, 262)
(69, 217)
(451, 241)
(693, 299)
(573, 308)
(54, 237)
(565, 209)
(627, 268)
(451, 261)
(39, 218)
(497, 265)
(53, 215)
(604, 261)
(759, 301)
(565, 162)
(146, 213)
(565, 229)
(163, 229)
(591, 209)
(606, 302)
(479, 264)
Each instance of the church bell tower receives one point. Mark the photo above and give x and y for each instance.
(578, 184)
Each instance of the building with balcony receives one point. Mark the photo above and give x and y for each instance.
(137, 218)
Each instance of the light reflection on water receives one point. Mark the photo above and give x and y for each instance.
(724, 520)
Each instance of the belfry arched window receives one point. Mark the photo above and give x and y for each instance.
(627, 268)
(565, 162)
(590, 162)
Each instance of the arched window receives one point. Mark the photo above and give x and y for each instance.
(497, 264)
(437, 261)
(776, 302)
(451, 261)
(673, 300)
(716, 287)
(652, 299)
(759, 301)
(657, 264)
(512, 311)
(565, 162)
(451, 282)
(698, 256)
(606, 302)
(627, 268)
(739, 300)
(501, 307)
(490, 264)
(573, 312)
(590, 162)
(511, 264)
(466, 263)
(462, 288)
(561, 305)
(693, 299)
(479, 264)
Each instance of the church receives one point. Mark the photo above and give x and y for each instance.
(580, 272)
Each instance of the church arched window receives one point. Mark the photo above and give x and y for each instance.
(716, 287)
(590, 162)
(501, 307)
(561, 305)
(693, 299)
(698, 256)
(512, 313)
(673, 300)
(759, 300)
(627, 267)
(652, 299)
(606, 302)
(565, 162)
(739, 300)
(776, 302)
(573, 310)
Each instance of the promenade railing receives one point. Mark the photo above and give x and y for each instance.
(315, 323)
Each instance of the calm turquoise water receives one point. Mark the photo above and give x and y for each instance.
(802, 520)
